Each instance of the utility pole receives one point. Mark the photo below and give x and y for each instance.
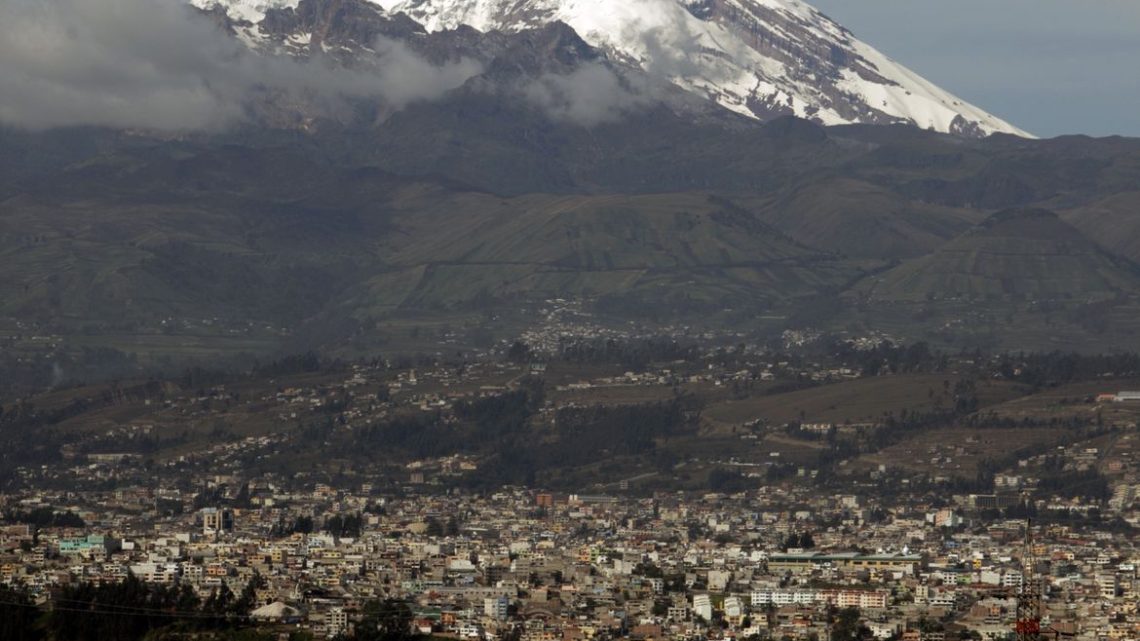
(1029, 597)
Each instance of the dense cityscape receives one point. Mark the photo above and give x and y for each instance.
(569, 320)
(809, 529)
(775, 562)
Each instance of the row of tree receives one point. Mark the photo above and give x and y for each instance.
(132, 610)
(126, 611)
(44, 517)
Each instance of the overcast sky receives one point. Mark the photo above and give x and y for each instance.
(1048, 66)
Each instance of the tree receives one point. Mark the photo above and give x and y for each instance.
(19, 617)
(807, 542)
(387, 620)
(804, 541)
(89, 612)
(451, 527)
(519, 352)
(845, 626)
(648, 570)
(220, 602)
(247, 600)
(242, 500)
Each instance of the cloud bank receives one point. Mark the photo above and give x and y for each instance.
(595, 94)
(588, 96)
(156, 64)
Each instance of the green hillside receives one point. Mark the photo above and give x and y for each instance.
(1114, 222)
(140, 240)
(1015, 254)
(861, 220)
(455, 246)
(469, 212)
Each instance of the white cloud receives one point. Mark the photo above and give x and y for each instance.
(158, 64)
(590, 95)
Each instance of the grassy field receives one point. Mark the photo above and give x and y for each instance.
(956, 451)
(861, 400)
(1075, 400)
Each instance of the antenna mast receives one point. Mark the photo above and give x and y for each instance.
(1029, 597)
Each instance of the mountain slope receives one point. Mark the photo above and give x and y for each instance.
(1019, 253)
(667, 248)
(278, 236)
(1113, 222)
(471, 210)
(760, 58)
(861, 220)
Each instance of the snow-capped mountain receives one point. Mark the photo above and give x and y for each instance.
(760, 58)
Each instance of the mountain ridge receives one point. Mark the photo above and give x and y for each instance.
(472, 210)
(757, 58)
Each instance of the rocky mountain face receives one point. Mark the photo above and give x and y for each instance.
(529, 159)
(758, 58)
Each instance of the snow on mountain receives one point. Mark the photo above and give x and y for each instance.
(755, 57)
(760, 58)
(248, 10)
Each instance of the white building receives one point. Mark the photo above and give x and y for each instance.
(336, 622)
(734, 609)
(702, 606)
(496, 608)
(719, 579)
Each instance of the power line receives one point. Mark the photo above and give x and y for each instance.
(138, 609)
(148, 612)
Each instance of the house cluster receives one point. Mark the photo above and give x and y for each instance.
(1119, 397)
(772, 563)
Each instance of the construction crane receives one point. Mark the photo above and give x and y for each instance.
(1029, 597)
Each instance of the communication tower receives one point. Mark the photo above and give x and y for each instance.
(1029, 597)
